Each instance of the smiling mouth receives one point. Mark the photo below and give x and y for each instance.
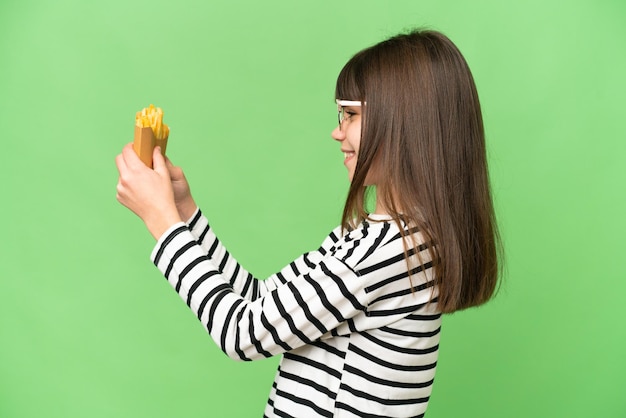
(347, 155)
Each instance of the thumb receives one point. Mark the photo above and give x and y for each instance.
(158, 162)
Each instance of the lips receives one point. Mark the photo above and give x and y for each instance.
(348, 155)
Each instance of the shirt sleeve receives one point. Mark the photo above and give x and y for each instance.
(285, 315)
(241, 280)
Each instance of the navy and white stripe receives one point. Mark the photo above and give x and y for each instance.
(360, 336)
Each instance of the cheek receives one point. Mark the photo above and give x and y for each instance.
(355, 139)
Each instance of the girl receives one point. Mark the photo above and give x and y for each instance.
(358, 319)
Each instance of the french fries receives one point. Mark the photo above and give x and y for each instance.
(153, 117)
(150, 131)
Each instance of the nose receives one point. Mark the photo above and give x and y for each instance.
(337, 134)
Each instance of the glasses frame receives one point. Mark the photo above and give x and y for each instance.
(341, 104)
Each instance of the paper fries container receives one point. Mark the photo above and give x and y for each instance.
(145, 142)
(161, 143)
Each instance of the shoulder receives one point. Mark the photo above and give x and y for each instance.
(373, 239)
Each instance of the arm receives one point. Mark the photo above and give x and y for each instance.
(240, 279)
(161, 198)
(286, 316)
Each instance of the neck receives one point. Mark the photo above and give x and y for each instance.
(381, 207)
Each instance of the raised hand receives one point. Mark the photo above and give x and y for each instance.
(182, 194)
(147, 192)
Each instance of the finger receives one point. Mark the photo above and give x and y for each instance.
(176, 173)
(131, 158)
(171, 168)
(121, 164)
(158, 162)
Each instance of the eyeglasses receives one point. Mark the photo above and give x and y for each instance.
(341, 104)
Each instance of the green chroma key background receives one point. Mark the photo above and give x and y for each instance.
(89, 328)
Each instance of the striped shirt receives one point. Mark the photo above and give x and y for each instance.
(359, 337)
